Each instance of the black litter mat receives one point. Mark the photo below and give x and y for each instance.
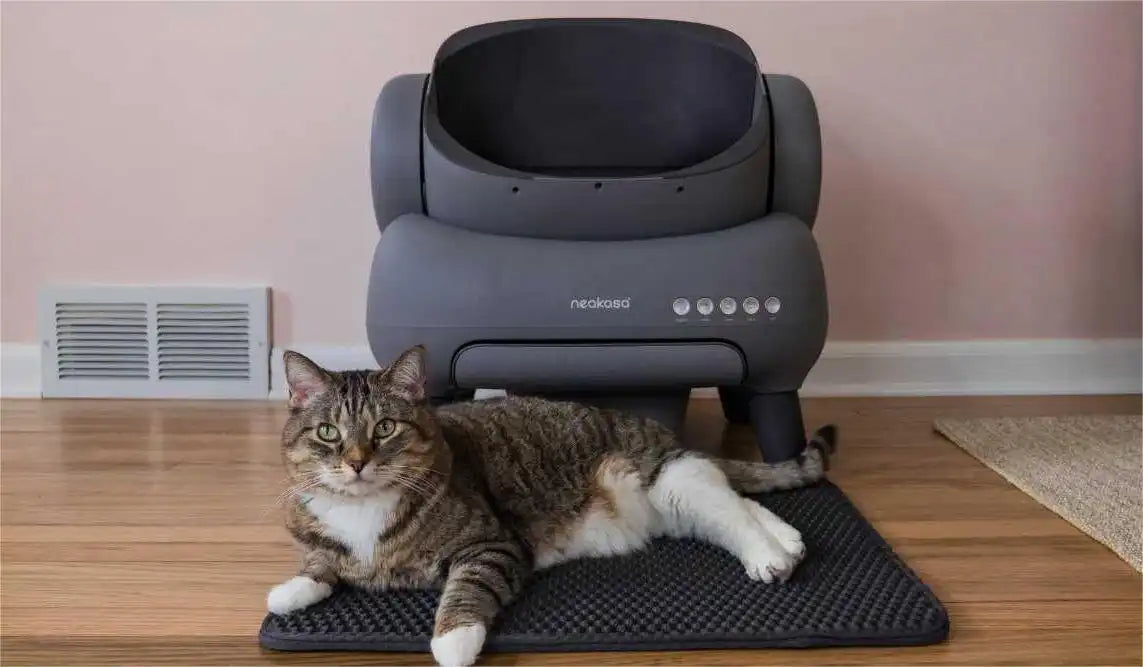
(851, 590)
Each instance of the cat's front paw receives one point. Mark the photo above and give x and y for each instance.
(788, 537)
(768, 565)
(296, 593)
(459, 647)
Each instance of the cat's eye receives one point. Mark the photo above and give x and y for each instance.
(327, 432)
(385, 428)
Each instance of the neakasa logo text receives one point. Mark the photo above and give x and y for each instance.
(599, 303)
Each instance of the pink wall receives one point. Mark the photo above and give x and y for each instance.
(982, 173)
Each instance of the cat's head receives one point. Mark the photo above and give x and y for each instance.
(360, 433)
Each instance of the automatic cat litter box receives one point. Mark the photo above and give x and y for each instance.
(614, 210)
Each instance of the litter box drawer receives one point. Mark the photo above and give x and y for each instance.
(597, 366)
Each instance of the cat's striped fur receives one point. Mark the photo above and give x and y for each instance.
(473, 496)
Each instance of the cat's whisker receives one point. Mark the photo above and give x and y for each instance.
(420, 486)
(419, 491)
(428, 483)
(287, 492)
(402, 466)
(416, 476)
(303, 483)
(413, 484)
(304, 479)
(408, 467)
(297, 491)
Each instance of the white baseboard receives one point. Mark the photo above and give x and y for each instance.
(938, 368)
(19, 370)
(978, 368)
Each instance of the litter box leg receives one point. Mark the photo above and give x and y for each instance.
(735, 404)
(778, 427)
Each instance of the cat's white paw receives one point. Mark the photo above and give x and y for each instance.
(296, 593)
(788, 537)
(791, 541)
(459, 647)
(768, 564)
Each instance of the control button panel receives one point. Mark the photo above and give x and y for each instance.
(728, 307)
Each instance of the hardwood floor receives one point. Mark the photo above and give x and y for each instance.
(147, 533)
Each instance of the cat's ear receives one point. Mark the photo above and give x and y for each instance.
(305, 380)
(406, 375)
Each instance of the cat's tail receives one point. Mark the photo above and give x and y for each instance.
(807, 468)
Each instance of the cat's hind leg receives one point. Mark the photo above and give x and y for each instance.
(695, 499)
(617, 519)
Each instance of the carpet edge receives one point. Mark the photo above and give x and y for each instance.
(946, 427)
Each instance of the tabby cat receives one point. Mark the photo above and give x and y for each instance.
(390, 492)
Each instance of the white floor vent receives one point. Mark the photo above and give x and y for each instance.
(155, 342)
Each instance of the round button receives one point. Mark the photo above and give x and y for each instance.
(750, 305)
(773, 304)
(728, 306)
(681, 306)
(705, 306)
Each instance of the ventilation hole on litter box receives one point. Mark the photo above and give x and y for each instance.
(598, 186)
(679, 189)
(515, 189)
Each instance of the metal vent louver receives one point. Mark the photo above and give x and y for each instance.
(155, 342)
(101, 340)
(203, 340)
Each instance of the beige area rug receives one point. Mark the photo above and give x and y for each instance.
(1087, 469)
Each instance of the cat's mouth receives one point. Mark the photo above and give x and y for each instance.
(360, 488)
(355, 486)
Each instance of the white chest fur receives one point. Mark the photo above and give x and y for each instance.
(356, 523)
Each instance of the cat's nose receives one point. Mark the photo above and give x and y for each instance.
(356, 465)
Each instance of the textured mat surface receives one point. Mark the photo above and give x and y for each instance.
(679, 594)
